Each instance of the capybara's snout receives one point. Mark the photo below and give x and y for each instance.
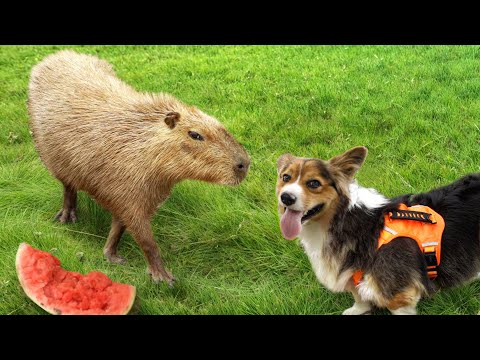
(241, 165)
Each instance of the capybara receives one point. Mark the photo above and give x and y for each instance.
(126, 149)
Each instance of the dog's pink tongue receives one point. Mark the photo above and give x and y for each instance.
(291, 224)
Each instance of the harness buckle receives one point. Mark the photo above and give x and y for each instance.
(431, 260)
(432, 274)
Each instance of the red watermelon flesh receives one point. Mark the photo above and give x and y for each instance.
(69, 293)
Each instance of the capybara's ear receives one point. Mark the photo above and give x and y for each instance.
(171, 119)
(349, 162)
(284, 160)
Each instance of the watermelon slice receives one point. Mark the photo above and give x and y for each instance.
(69, 293)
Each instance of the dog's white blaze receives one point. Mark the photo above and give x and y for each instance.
(367, 197)
(314, 237)
(295, 190)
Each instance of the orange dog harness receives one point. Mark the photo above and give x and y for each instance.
(419, 223)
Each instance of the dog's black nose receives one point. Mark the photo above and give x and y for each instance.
(288, 199)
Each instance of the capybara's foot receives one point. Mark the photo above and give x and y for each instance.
(116, 259)
(66, 216)
(161, 275)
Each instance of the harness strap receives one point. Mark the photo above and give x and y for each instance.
(430, 249)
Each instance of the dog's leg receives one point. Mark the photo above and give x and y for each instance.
(405, 302)
(406, 310)
(360, 307)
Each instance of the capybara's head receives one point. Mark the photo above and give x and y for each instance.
(204, 149)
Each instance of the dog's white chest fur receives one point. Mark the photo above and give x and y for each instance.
(314, 238)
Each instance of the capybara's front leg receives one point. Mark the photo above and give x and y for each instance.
(143, 235)
(69, 211)
(111, 246)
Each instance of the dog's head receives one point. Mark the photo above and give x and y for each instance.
(309, 189)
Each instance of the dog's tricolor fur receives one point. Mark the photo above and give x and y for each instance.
(339, 223)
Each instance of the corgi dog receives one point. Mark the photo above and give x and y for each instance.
(339, 224)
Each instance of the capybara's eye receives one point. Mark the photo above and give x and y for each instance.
(194, 135)
(286, 177)
(313, 184)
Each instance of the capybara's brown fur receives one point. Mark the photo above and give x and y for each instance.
(126, 149)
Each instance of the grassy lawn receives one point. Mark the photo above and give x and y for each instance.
(416, 109)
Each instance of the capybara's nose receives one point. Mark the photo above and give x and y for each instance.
(288, 199)
(242, 166)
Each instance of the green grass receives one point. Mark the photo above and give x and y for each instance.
(416, 109)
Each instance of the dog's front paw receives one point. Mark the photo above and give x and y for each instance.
(358, 309)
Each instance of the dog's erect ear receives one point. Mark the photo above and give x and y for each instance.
(171, 119)
(349, 162)
(284, 160)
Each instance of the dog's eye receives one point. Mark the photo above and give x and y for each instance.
(195, 136)
(313, 184)
(286, 178)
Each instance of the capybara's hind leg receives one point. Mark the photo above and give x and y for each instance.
(111, 246)
(143, 235)
(69, 211)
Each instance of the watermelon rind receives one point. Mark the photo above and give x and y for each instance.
(23, 247)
